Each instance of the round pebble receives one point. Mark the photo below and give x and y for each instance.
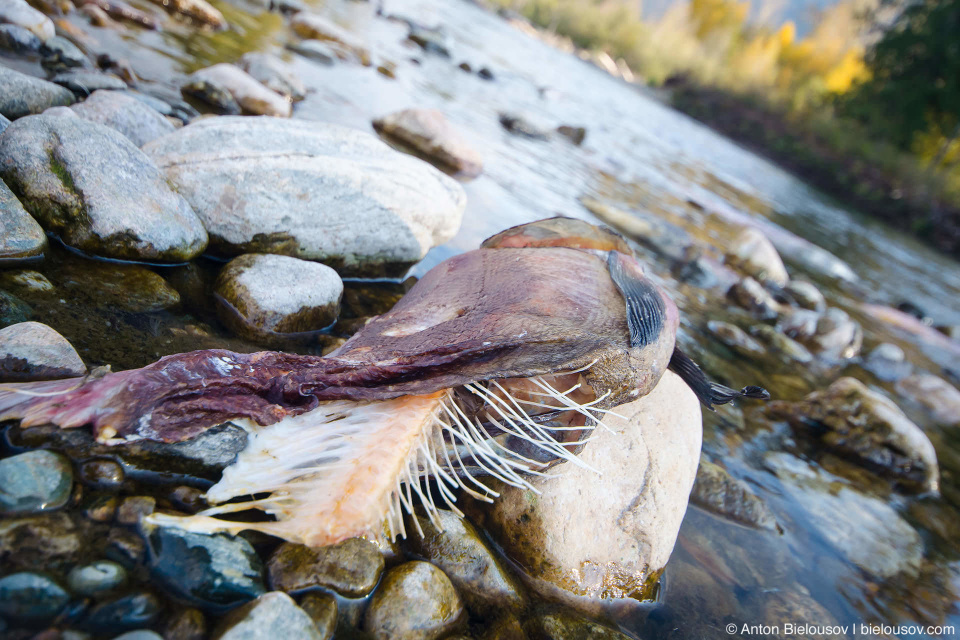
(96, 577)
(101, 473)
(34, 481)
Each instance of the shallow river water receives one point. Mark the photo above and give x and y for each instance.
(838, 558)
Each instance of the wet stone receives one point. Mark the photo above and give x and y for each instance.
(833, 334)
(787, 607)
(189, 499)
(274, 74)
(322, 609)
(96, 578)
(19, 40)
(717, 491)
(351, 568)
(102, 473)
(34, 351)
(21, 14)
(781, 344)
(576, 135)
(186, 624)
(49, 541)
(102, 509)
(888, 362)
(57, 166)
(754, 255)
(125, 287)
(13, 309)
(272, 615)
(936, 396)
(564, 625)
(750, 294)
(59, 53)
(868, 428)
(21, 95)
(316, 27)
(83, 83)
(252, 305)
(126, 114)
(34, 481)
(415, 601)
(127, 612)
(805, 295)
(210, 570)
(26, 281)
(431, 39)
(316, 50)
(133, 509)
(125, 546)
(31, 597)
(430, 135)
(735, 338)
(457, 549)
(252, 96)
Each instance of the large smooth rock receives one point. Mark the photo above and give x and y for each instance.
(21, 95)
(249, 93)
(118, 286)
(754, 255)
(20, 13)
(215, 571)
(480, 577)
(870, 429)
(90, 184)
(126, 114)
(351, 568)
(589, 536)
(863, 529)
(86, 82)
(430, 134)
(272, 616)
(21, 237)
(415, 601)
(310, 190)
(274, 74)
(34, 481)
(34, 351)
(263, 296)
(935, 395)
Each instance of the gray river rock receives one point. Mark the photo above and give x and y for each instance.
(61, 169)
(415, 601)
(274, 73)
(272, 616)
(21, 237)
(431, 135)
(126, 114)
(34, 351)
(20, 13)
(34, 481)
(627, 519)
(310, 190)
(21, 95)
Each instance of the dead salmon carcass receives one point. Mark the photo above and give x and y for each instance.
(498, 362)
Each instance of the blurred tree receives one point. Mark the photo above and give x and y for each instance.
(915, 83)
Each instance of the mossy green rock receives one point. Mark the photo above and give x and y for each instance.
(352, 568)
(479, 576)
(88, 183)
(415, 601)
(21, 95)
(113, 286)
(34, 481)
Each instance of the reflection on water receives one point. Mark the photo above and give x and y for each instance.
(640, 157)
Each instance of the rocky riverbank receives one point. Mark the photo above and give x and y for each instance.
(147, 212)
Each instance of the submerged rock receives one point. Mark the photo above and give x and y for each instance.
(31, 597)
(126, 114)
(114, 286)
(750, 294)
(415, 601)
(627, 519)
(316, 50)
(52, 540)
(250, 94)
(273, 615)
(84, 82)
(57, 166)
(865, 426)
(935, 395)
(566, 625)
(656, 234)
(18, 12)
(21, 237)
(754, 255)
(96, 578)
(322, 609)
(781, 344)
(865, 530)
(128, 612)
(481, 579)
(59, 54)
(888, 362)
(34, 351)
(21, 95)
(310, 190)
(314, 26)
(211, 570)
(576, 135)
(351, 568)
(431, 135)
(735, 338)
(254, 303)
(34, 481)
(13, 309)
(274, 74)
(717, 491)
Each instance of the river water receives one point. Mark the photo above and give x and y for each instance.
(850, 552)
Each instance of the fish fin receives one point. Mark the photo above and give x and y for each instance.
(646, 311)
(709, 393)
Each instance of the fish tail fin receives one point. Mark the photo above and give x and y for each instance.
(708, 392)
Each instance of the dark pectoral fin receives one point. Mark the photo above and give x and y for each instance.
(646, 311)
(709, 393)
